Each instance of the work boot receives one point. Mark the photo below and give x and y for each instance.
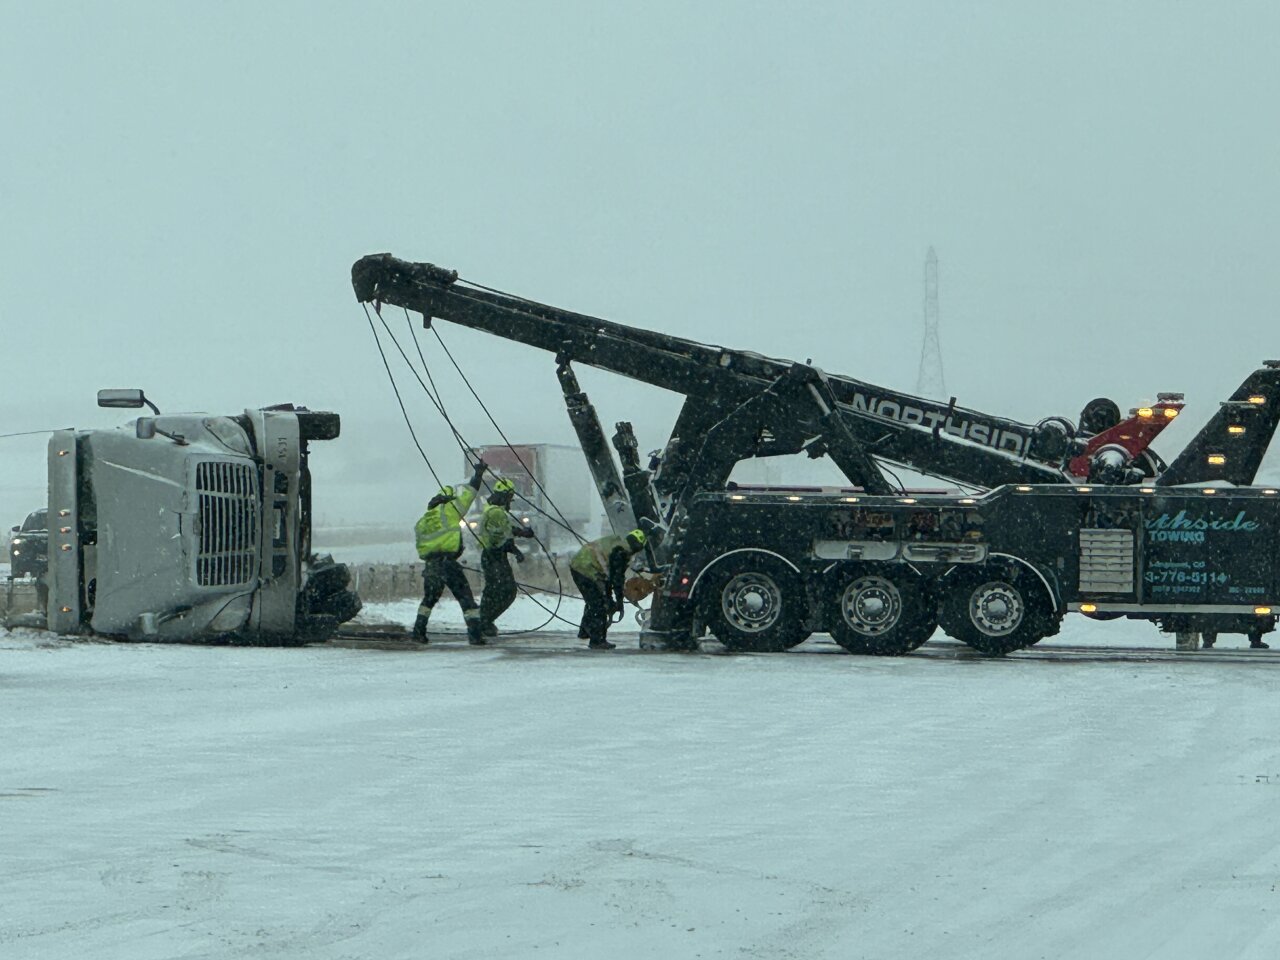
(488, 630)
(1208, 640)
(601, 645)
(475, 635)
(420, 630)
(1255, 643)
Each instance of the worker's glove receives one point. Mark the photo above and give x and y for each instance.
(478, 472)
(523, 532)
(518, 552)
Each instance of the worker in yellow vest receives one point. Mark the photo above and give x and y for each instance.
(498, 530)
(439, 541)
(599, 569)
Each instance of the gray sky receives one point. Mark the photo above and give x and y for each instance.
(184, 187)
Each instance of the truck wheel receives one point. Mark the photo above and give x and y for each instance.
(881, 612)
(756, 605)
(997, 611)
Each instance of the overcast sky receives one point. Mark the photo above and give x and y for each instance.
(183, 189)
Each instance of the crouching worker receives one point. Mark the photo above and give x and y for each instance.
(599, 570)
(498, 530)
(439, 538)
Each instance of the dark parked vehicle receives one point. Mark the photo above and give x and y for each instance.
(29, 545)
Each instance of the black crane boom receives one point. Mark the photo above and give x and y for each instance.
(779, 403)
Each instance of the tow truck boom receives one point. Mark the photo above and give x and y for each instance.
(741, 404)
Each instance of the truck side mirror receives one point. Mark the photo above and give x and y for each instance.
(131, 399)
(144, 428)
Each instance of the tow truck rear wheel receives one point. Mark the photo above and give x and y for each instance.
(756, 604)
(882, 611)
(997, 609)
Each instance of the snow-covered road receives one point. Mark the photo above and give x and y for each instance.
(162, 802)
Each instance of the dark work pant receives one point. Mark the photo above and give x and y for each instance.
(595, 612)
(499, 585)
(440, 571)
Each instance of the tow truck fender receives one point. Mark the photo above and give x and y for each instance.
(1049, 580)
(698, 579)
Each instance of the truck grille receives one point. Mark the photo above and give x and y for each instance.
(1106, 561)
(228, 523)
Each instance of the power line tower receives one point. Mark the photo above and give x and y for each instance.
(930, 381)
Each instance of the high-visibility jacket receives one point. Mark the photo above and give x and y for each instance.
(595, 559)
(439, 530)
(497, 527)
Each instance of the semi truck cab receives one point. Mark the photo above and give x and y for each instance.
(191, 527)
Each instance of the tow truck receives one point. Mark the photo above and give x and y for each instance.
(1053, 517)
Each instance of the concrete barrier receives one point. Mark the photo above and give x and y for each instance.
(17, 597)
(385, 582)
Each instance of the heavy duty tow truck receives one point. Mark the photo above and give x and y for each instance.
(1059, 516)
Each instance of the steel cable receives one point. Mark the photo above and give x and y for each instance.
(462, 443)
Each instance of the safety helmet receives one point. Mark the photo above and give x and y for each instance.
(504, 486)
(636, 539)
(447, 492)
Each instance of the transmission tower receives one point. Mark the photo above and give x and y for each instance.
(930, 381)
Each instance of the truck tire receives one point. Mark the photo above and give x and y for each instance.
(997, 609)
(881, 610)
(756, 604)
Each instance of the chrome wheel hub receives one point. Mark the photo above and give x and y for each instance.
(871, 605)
(751, 602)
(996, 608)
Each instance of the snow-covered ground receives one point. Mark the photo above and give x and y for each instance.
(530, 612)
(536, 799)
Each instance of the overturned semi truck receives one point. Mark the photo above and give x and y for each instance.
(191, 528)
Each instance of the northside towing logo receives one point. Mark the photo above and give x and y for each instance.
(1184, 529)
(1008, 441)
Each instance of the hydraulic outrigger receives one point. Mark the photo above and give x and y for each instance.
(1072, 517)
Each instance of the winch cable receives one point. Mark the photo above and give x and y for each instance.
(553, 613)
(437, 400)
(409, 363)
(31, 433)
(469, 451)
(448, 353)
(396, 390)
(434, 393)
